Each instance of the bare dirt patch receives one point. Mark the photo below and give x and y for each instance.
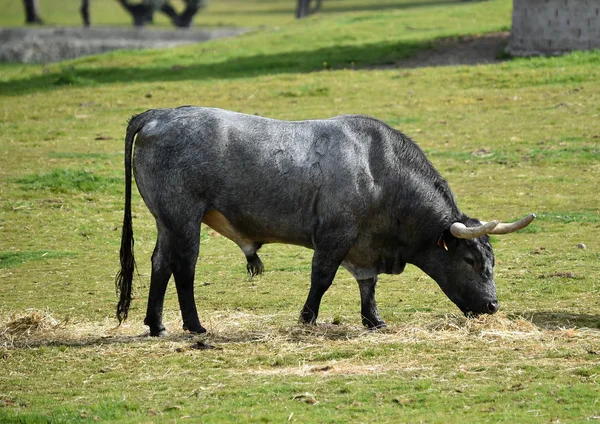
(465, 50)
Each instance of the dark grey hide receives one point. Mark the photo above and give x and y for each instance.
(358, 192)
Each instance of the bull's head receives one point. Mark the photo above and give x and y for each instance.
(462, 263)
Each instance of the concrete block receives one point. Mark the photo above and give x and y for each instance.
(554, 26)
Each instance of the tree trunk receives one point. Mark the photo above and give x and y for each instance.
(85, 12)
(32, 15)
(184, 20)
(303, 8)
(142, 13)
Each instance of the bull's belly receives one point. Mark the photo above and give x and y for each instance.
(361, 263)
(249, 242)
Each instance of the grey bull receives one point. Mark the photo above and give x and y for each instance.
(359, 193)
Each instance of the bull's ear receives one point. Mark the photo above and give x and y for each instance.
(446, 241)
(442, 243)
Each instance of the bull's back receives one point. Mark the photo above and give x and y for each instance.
(272, 180)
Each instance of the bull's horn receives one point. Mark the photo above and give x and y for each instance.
(460, 230)
(503, 228)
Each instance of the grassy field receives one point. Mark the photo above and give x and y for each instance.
(511, 138)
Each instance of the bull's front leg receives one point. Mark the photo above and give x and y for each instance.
(325, 264)
(368, 305)
(323, 272)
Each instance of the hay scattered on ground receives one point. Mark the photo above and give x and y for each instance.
(29, 324)
(497, 326)
(34, 327)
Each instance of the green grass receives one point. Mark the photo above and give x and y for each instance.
(590, 217)
(511, 138)
(12, 259)
(67, 180)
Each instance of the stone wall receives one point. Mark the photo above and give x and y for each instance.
(52, 44)
(554, 26)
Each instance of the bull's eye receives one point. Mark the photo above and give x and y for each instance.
(470, 261)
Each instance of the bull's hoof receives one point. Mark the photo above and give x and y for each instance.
(158, 332)
(194, 329)
(374, 323)
(307, 317)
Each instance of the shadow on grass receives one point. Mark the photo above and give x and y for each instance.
(341, 6)
(68, 340)
(550, 320)
(62, 337)
(334, 57)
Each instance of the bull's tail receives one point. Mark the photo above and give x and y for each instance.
(124, 278)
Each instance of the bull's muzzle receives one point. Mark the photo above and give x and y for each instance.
(489, 307)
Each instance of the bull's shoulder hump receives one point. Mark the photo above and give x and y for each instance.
(369, 124)
(364, 124)
(364, 119)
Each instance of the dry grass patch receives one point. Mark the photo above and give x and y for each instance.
(29, 324)
(332, 368)
(35, 327)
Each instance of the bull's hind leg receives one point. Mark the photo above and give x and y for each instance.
(183, 264)
(161, 273)
(369, 312)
